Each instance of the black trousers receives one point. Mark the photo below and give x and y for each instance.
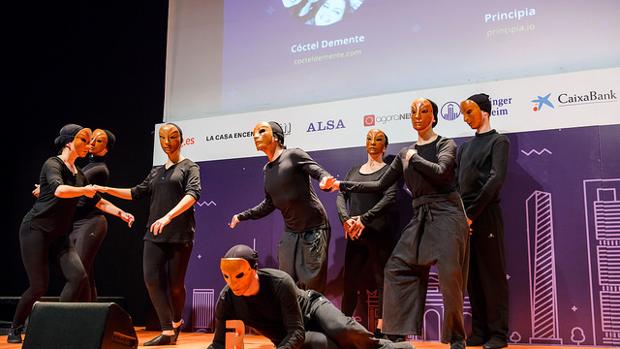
(437, 234)
(487, 285)
(367, 255)
(303, 256)
(328, 328)
(87, 236)
(37, 247)
(165, 265)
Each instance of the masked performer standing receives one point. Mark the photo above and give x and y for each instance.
(269, 301)
(437, 233)
(303, 248)
(91, 226)
(172, 189)
(44, 231)
(367, 225)
(482, 164)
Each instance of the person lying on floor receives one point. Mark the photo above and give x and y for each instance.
(269, 301)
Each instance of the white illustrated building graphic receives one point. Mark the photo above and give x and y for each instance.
(203, 309)
(602, 214)
(541, 260)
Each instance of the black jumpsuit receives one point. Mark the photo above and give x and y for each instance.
(90, 226)
(44, 232)
(482, 164)
(292, 318)
(166, 255)
(303, 247)
(437, 234)
(374, 246)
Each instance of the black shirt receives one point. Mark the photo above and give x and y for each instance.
(430, 171)
(371, 207)
(165, 188)
(275, 311)
(288, 188)
(51, 214)
(97, 172)
(482, 165)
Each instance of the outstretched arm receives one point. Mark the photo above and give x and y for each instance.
(108, 207)
(121, 193)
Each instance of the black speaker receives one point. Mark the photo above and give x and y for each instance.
(79, 325)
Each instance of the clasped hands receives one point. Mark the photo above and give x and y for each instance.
(353, 228)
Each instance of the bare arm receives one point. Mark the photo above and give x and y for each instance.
(121, 193)
(186, 202)
(64, 191)
(109, 208)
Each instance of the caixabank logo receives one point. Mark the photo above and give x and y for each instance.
(571, 99)
(325, 125)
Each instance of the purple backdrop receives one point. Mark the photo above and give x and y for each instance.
(561, 204)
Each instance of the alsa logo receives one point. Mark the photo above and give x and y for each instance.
(325, 125)
(189, 141)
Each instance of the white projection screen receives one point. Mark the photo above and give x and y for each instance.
(237, 56)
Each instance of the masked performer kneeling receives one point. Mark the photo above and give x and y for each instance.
(269, 301)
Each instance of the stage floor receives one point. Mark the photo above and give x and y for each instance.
(202, 340)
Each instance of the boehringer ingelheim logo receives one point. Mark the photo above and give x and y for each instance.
(450, 110)
(541, 101)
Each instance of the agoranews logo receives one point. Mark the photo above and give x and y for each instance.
(372, 119)
(542, 101)
(369, 120)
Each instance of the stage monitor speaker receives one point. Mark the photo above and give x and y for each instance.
(79, 325)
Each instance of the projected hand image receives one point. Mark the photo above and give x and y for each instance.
(321, 12)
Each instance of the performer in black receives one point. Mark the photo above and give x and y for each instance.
(269, 301)
(482, 165)
(437, 234)
(91, 226)
(366, 222)
(303, 248)
(45, 228)
(172, 189)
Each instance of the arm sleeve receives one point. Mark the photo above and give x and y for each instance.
(308, 165)
(441, 172)
(259, 211)
(192, 182)
(343, 198)
(53, 174)
(222, 312)
(291, 315)
(388, 199)
(389, 177)
(458, 167)
(143, 189)
(490, 189)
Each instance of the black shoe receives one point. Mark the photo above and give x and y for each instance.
(15, 335)
(459, 344)
(495, 343)
(396, 338)
(474, 341)
(177, 330)
(162, 339)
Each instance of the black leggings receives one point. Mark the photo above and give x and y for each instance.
(36, 248)
(87, 236)
(164, 267)
(366, 256)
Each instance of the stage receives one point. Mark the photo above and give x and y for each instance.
(202, 340)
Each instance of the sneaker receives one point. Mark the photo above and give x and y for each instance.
(15, 335)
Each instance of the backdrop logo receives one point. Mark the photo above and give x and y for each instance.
(591, 97)
(369, 120)
(450, 111)
(325, 125)
(229, 135)
(286, 127)
(542, 101)
(500, 106)
(372, 119)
